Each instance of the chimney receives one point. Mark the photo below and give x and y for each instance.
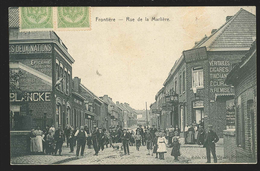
(76, 83)
(228, 17)
(213, 31)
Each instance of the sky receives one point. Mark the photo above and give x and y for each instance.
(133, 59)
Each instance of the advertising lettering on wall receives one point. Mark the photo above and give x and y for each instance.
(195, 54)
(218, 71)
(30, 48)
(31, 97)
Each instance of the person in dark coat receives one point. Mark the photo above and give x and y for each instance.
(190, 135)
(141, 131)
(59, 139)
(44, 143)
(67, 131)
(201, 133)
(125, 140)
(95, 137)
(210, 139)
(101, 138)
(72, 139)
(177, 130)
(155, 145)
(175, 148)
(89, 136)
(81, 136)
(149, 141)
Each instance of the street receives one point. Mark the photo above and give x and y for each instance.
(189, 154)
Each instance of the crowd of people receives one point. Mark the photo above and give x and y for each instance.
(50, 140)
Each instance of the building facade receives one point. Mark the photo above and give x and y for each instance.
(240, 144)
(195, 88)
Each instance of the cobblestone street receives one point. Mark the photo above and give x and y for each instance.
(189, 154)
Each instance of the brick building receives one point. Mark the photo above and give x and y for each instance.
(240, 144)
(195, 88)
(44, 96)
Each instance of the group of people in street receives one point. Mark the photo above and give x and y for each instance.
(50, 140)
(194, 133)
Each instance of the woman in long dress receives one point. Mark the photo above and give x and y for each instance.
(39, 137)
(32, 141)
(161, 145)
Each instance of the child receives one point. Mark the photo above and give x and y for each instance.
(155, 145)
(49, 143)
(138, 140)
(161, 146)
(175, 148)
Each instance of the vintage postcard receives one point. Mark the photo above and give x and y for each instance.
(132, 85)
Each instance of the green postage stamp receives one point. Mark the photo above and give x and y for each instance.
(54, 18)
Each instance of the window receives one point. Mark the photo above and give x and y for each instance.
(183, 79)
(68, 82)
(57, 72)
(65, 81)
(199, 114)
(197, 77)
(175, 85)
(240, 123)
(61, 75)
(180, 81)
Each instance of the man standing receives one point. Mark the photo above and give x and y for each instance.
(67, 131)
(59, 138)
(149, 140)
(210, 139)
(81, 136)
(171, 134)
(101, 138)
(72, 139)
(125, 140)
(96, 146)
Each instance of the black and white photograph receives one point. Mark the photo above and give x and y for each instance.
(127, 85)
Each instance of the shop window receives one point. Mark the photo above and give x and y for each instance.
(58, 115)
(230, 114)
(68, 121)
(199, 114)
(182, 119)
(197, 77)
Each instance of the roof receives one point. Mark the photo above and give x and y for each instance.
(236, 33)
(234, 74)
(13, 17)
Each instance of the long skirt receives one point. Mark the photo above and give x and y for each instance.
(39, 143)
(33, 145)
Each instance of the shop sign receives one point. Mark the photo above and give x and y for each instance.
(30, 48)
(31, 96)
(195, 54)
(198, 104)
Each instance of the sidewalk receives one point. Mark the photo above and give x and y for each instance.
(43, 159)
